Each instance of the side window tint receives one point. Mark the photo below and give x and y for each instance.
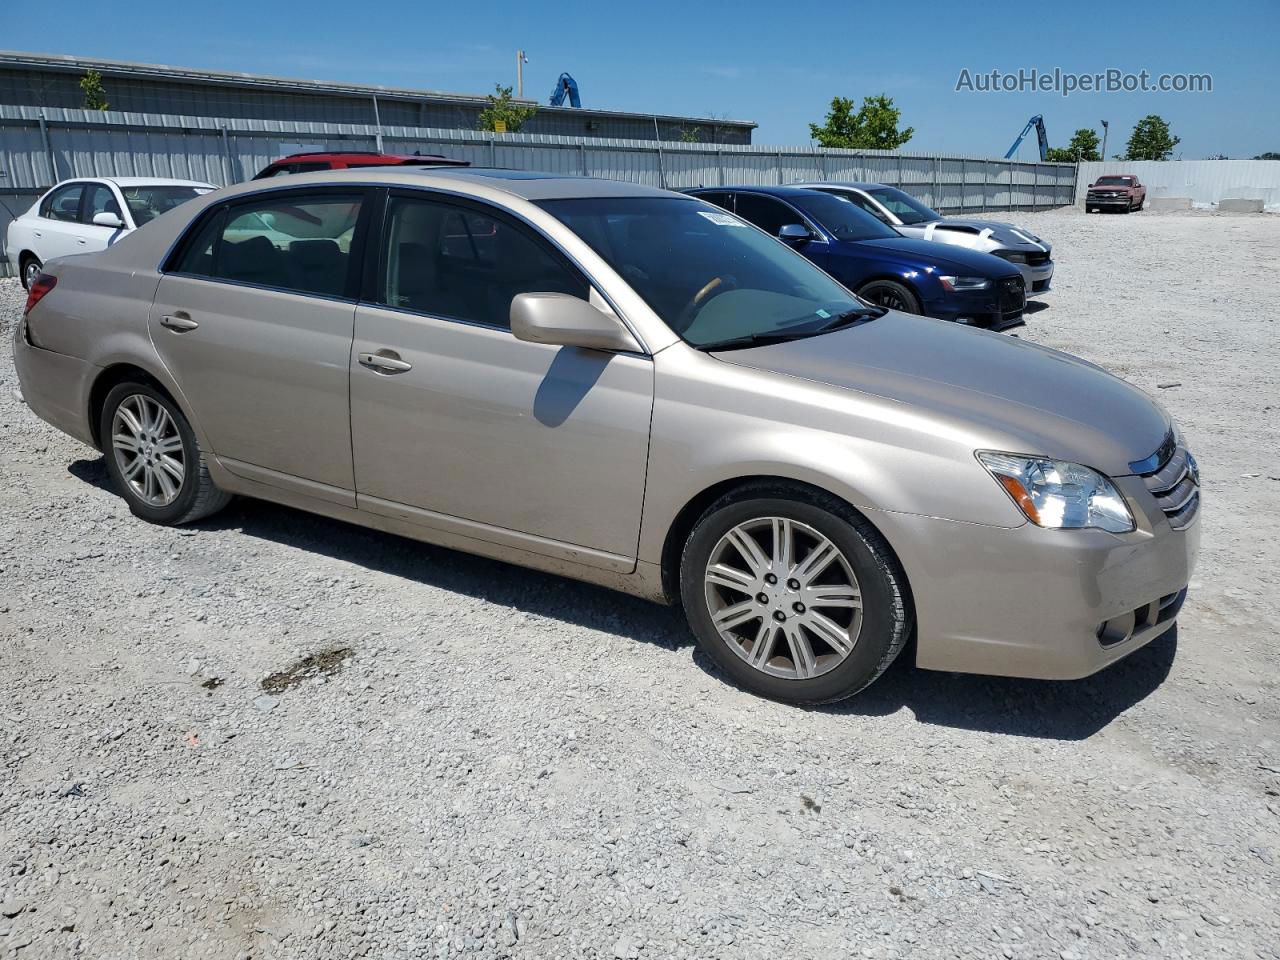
(766, 213)
(288, 241)
(101, 200)
(458, 263)
(719, 199)
(868, 206)
(197, 257)
(64, 204)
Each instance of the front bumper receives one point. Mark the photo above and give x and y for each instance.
(1036, 276)
(1030, 602)
(997, 308)
(1091, 202)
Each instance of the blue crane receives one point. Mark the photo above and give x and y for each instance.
(1038, 122)
(565, 85)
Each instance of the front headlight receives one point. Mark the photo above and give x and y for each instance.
(1059, 495)
(964, 283)
(1014, 257)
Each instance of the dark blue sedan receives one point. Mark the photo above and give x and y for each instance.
(879, 264)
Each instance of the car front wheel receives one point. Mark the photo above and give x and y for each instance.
(890, 294)
(793, 594)
(153, 457)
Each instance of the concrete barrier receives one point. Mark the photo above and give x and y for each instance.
(1169, 203)
(1239, 205)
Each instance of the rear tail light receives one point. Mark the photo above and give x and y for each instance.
(40, 288)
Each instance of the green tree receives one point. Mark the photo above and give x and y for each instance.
(95, 94)
(1083, 146)
(873, 127)
(1151, 140)
(690, 135)
(503, 115)
(1269, 155)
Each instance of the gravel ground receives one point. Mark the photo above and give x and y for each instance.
(273, 735)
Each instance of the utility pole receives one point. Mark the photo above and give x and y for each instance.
(1105, 131)
(521, 60)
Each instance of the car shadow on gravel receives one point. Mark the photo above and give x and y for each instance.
(1048, 709)
(1066, 710)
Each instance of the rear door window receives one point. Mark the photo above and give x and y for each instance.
(292, 241)
(768, 214)
(465, 263)
(64, 203)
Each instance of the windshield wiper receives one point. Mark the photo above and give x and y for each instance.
(846, 319)
(850, 317)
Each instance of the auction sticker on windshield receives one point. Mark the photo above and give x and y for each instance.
(723, 219)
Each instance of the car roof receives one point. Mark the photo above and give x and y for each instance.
(140, 182)
(816, 185)
(773, 191)
(525, 184)
(364, 156)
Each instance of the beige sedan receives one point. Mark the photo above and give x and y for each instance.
(634, 388)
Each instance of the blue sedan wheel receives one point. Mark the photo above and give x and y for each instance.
(887, 293)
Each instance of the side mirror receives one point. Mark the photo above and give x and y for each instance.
(794, 233)
(565, 321)
(107, 219)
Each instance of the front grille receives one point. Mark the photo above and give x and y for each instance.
(1013, 296)
(1037, 259)
(1176, 486)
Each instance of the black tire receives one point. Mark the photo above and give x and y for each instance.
(197, 496)
(29, 269)
(891, 294)
(1141, 204)
(887, 614)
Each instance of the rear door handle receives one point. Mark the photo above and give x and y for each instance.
(81, 240)
(386, 361)
(178, 323)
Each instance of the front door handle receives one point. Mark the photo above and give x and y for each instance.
(384, 361)
(178, 323)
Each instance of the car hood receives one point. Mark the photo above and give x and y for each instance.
(970, 261)
(1018, 396)
(1006, 234)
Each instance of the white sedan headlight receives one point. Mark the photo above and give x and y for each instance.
(1059, 495)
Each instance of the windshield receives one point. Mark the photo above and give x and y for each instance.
(1114, 182)
(148, 202)
(843, 219)
(710, 276)
(904, 206)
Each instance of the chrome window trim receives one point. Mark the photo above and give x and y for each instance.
(425, 189)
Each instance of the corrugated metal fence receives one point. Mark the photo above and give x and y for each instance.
(39, 147)
(1203, 182)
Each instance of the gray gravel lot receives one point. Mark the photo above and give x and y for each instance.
(495, 763)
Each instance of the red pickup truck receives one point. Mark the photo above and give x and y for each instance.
(1116, 191)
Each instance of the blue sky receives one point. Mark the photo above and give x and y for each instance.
(769, 62)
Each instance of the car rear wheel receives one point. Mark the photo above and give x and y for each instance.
(153, 457)
(793, 594)
(890, 294)
(31, 267)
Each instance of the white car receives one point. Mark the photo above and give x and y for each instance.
(911, 218)
(90, 214)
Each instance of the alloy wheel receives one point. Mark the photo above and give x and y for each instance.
(783, 597)
(148, 450)
(887, 297)
(31, 271)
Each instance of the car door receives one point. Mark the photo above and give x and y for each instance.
(254, 319)
(57, 231)
(458, 425)
(99, 198)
